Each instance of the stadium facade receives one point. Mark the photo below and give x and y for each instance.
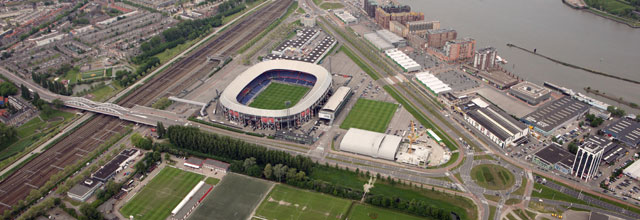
(235, 98)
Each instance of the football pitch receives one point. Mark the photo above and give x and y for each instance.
(370, 115)
(285, 202)
(161, 195)
(234, 197)
(274, 96)
(366, 212)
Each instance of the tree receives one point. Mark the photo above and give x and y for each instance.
(573, 147)
(90, 212)
(58, 103)
(249, 162)
(615, 111)
(141, 142)
(268, 171)
(160, 130)
(47, 110)
(8, 134)
(26, 94)
(279, 171)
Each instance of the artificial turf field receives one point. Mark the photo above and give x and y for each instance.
(370, 115)
(274, 96)
(161, 195)
(285, 202)
(234, 197)
(367, 212)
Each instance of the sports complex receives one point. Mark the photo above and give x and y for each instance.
(276, 94)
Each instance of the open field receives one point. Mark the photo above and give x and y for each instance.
(548, 193)
(370, 115)
(492, 177)
(94, 74)
(331, 5)
(276, 94)
(211, 181)
(161, 195)
(286, 202)
(339, 177)
(235, 197)
(367, 212)
(33, 130)
(105, 92)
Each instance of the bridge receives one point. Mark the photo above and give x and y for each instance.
(137, 114)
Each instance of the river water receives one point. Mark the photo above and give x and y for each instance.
(555, 30)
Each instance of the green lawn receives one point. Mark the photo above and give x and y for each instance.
(285, 202)
(331, 5)
(492, 212)
(211, 181)
(275, 95)
(339, 177)
(33, 130)
(492, 197)
(161, 195)
(492, 176)
(370, 115)
(483, 157)
(105, 92)
(548, 193)
(72, 75)
(94, 74)
(368, 212)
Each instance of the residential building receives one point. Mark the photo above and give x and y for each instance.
(370, 7)
(402, 14)
(420, 28)
(485, 58)
(398, 28)
(455, 51)
(437, 38)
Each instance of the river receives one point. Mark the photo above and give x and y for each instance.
(555, 30)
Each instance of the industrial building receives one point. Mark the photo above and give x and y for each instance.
(437, 38)
(588, 157)
(432, 83)
(83, 190)
(369, 143)
(403, 60)
(530, 93)
(378, 42)
(194, 162)
(334, 105)
(114, 166)
(497, 78)
(485, 58)
(548, 118)
(554, 157)
(613, 153)
(494, 123)
(345, 17)
(625, 130)
(392, 38)
(303, 48)
(633, 170)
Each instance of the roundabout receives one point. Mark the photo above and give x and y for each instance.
(493, 177)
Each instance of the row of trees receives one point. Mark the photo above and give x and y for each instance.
(615, 111)
(8, 134)
(53, 86)
(416, 207)
(192, 139)
(7, 89)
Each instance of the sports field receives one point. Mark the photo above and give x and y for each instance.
(161, 195)
(370, 115)
(368, 212)
(285, 202)
(234, 197)
(492, 176)
(275, 95)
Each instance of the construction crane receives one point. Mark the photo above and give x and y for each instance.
(413, 136)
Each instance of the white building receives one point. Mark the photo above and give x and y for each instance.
(334, 105)
(633, 170)
(588, 157)
(369, 143)
(494, 123)
(403, 60)
(346, 17)
(216, 165)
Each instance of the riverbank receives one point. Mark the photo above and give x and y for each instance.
(581, 5)
(575, 66)
(612, 98)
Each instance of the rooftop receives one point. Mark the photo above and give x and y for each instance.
(496, 121)
(337, 98)
(552, 115)
(530, 89)
(84, 187)
(216, 163)
(554, 153)
(439, 31)
(498, 77)
(389, 36)
(108, 169)
(194, 161)
(625, 130)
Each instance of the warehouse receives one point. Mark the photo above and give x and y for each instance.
(530, 93)
(552, 157)
(433, 84)
(83, 190)
(405, 62)
(346, 17)
(392, 38)
(547, 119)
(633, 170)
(369, 143)
(626, 131)
(114, 166)
(377, 41)
(494, 123)
(334, 105)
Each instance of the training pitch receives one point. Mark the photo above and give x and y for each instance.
(234, 197)
(364, 212)
(161, 195)
(285, 202)
(370, 115)
(275, 95)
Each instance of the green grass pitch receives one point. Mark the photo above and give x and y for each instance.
(274, 96)
(364, 212)
(285, 202)
(161, 195)
(370, 115)
(234, 197)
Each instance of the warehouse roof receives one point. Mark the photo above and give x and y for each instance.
(390, 36)
(633, 170)
(369, 143)
(82, 188)
(377, 41)
(496, 121)
(554, 153)
(625, 130)
(552, 115)
(337, 98)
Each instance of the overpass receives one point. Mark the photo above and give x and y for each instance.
(137, 114)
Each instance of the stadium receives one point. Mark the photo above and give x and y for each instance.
(276, 94)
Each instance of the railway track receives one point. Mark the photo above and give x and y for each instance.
(92, 134)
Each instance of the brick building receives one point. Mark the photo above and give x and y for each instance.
(420, 28)
(455, 51)
(438, 38)
(402, 14)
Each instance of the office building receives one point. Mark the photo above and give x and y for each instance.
(530, 93)
(554, 157)
(588, 157)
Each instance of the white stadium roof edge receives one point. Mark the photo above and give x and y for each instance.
(323, 82)
(369, 143)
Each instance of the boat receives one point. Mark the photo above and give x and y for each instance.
(501, 60)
